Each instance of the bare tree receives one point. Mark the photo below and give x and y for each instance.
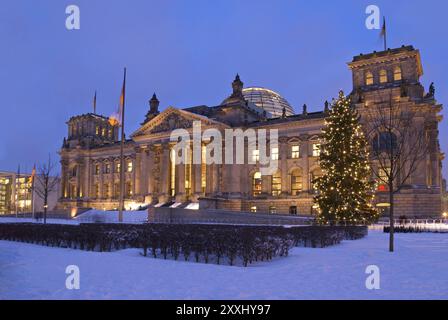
(399, 144)
(46, 182)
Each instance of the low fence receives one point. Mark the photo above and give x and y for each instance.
(414, 225)
(215, 216)
(231, 244)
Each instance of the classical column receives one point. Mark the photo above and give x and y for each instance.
(78, 178)
(165, 170)
(150, 169)
(180, 180)
(64, 171)
(283, 163)
(138, 172)
(101, 180)
(197, 179)
(87, 178)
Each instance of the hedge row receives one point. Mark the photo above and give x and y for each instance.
(205, 243)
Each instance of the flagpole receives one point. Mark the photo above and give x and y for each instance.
(121, 200)
(94, 103)
(17, 194)
(385, 33)
(32, 192)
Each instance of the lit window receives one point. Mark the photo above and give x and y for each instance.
(272, 210)
(369, 78)
(296, 182)
(106, 191)
(383, 76)
(97, 191)
(255, 155)
(103, 132)
(129, 166)
(256, 184)
(97, 169)
(106, 168)
(276, 184)
(295, 152)
(117, 167)
(128, 190)
(253, 209)
(274, 153)
(316, 149)
(117, 190)
(97, 130)
(397, 74)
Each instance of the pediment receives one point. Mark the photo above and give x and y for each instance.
(172, 119)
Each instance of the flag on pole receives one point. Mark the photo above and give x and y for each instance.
(383, 33)
(94, 103)
(116, 117)
(33, 173)
(122, 178)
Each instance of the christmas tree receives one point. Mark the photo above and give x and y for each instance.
(345, 191)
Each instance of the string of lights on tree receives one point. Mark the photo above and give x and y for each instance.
(345, 191)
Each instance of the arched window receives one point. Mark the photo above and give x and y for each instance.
(74, 171)
(383, 76)
(296, 182)
(369, 78)
(276, 184)
(384, 142)
(397, 73)
(256, 184)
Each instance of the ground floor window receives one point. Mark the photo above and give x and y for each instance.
(272, 210)
(296, 182)
(293, 210)
(256, 184)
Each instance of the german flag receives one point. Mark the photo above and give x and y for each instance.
(117, 117)
(33, 174)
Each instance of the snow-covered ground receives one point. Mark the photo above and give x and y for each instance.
(417, 270)
(91, 216)
(30, 220)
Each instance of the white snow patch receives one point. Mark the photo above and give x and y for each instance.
(99, 216)
(417, 270)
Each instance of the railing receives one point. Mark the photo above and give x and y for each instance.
(431, 225)
(233, 221)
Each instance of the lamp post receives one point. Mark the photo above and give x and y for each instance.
(45, 213)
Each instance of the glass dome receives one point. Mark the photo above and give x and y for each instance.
(268, 100)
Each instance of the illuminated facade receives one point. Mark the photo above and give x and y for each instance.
(90, 153)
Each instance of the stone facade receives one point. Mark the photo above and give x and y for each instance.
(90, 154)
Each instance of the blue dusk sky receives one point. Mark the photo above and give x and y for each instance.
(188, 52)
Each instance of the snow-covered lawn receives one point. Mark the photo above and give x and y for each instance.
(41, 221)
(417, 270)
(91, 216)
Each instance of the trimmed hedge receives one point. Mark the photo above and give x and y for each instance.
(206, 243)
